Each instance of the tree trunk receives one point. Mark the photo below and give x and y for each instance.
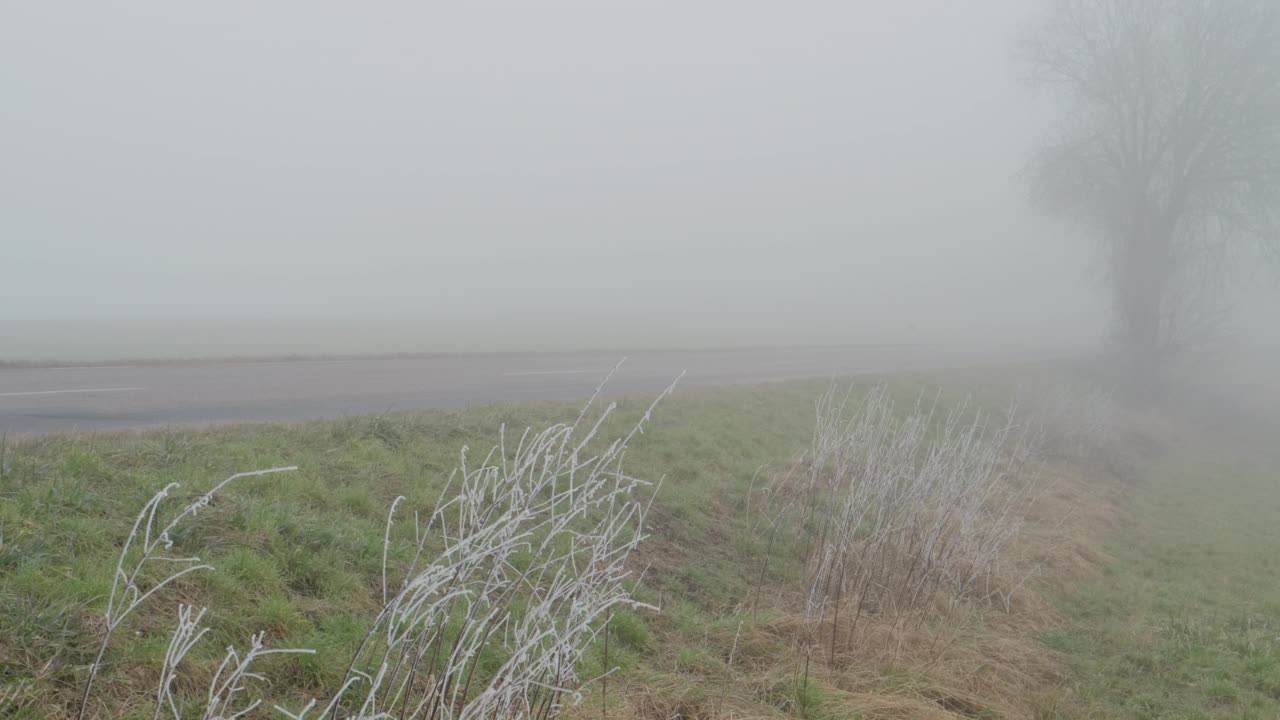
(1141, 298)
(1146, 363)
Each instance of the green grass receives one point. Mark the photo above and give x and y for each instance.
(299, 555)
(1186, 622)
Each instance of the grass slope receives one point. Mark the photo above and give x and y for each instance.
(299, 555)
(1183, 622)
(1186, 622)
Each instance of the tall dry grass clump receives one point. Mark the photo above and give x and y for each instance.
(147, 546)
(900, 512)
(510, 577)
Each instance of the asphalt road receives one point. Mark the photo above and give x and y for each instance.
(83, 399)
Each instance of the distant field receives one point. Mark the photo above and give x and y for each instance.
(1143, 586)
(88, 339)
(109, 339)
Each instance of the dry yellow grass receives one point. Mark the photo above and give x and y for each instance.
(966, 659)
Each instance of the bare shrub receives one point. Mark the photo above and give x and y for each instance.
(1069, 421)
(901, 511)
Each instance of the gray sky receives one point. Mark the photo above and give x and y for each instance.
(737, 166)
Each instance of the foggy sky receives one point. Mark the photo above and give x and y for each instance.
(688, 164)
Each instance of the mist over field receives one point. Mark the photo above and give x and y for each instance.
(640, 359)
(240, 178)
(133, 338)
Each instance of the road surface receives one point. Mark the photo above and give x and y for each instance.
(85, 399)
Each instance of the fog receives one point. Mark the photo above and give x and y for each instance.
(241, 177)
(922, 330)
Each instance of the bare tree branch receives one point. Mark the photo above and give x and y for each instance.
(1167, 148)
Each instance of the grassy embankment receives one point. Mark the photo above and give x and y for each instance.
(1185, 623)
(299, 556)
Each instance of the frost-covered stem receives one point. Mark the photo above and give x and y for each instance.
(386, 545)
(185, 636)
(126, 596)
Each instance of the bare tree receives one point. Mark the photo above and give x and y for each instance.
(1167, 150)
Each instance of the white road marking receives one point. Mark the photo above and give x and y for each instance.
(87, 367)
(553, 372)
(260, 363)
(67, 392)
